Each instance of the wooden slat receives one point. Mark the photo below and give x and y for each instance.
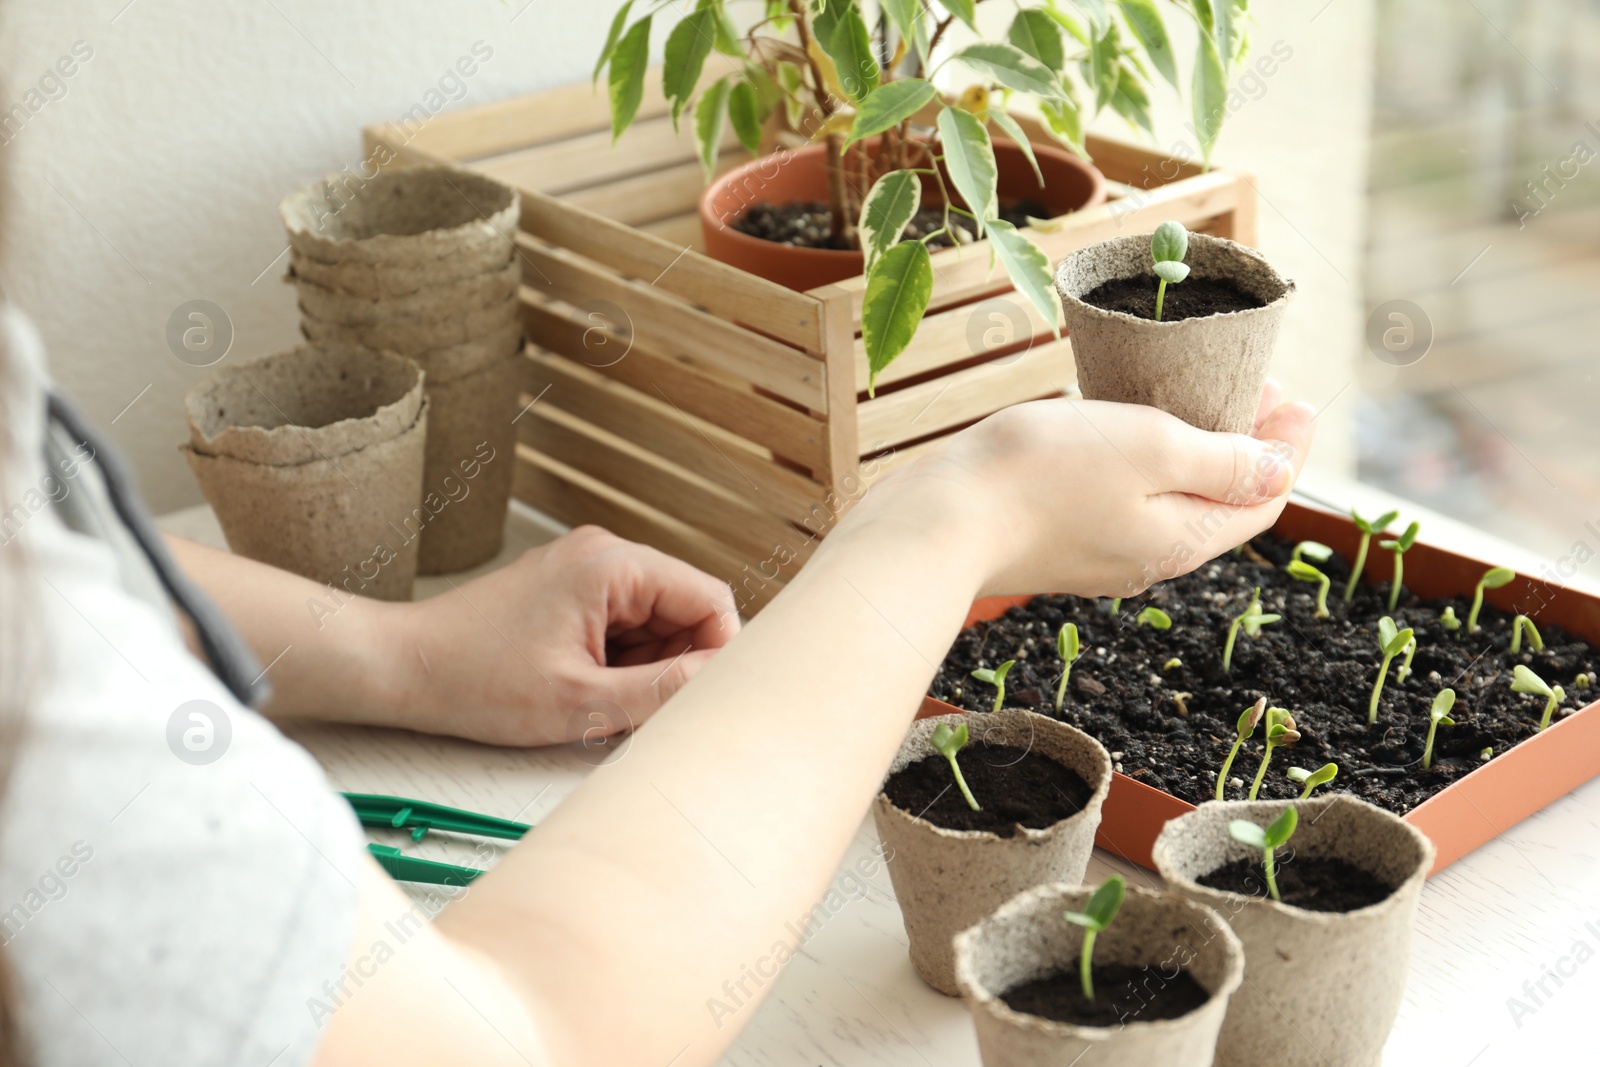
(1135, 165)
(691, 443)
(726, 402)
(946, 337)
(590, 158)
(844, 450)
(681, 230)
(669, 327)
(665, 193)
(958, 398)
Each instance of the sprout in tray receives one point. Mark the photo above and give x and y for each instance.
(996, 678)
(1269, 839)
(1175, 662)
(1492, 579)
(1250, 620)
(1368, 531)
(1391, 642)
(1067, 646)
(1301, 571)
(1448, 619)
(1116, 605)
(947, 742)
(1439, 713)
(1097, 914)
(1311, 779)
(1314, 550)
(1168, 245)
(1525, 681)
(1281, 733)
(1243, 729)
(1404, 671)
(1154, 618)
(1399, 546)
(1523, 625)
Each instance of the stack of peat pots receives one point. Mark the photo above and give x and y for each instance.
(422, 262)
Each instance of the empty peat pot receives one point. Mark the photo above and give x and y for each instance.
(1208, 371)
(312, 460)
(946, 880)
(1158, 936)
(1322, 988)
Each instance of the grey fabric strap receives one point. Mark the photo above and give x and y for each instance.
(231, 660)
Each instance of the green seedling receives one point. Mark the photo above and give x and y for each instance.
(1523, 625)
(947, 742)
(1368, 531)
(1399, 546)
(1175, 662)
(1269, 839)
(1301, 571)
(996, 678)
(1280, 733)
(1439, 713)
(1311, 550)
(1116, 606)
(1154, 618)
(1168, 245)
(1448, 619)
(1582, 681)
(1251, 620)
(1493, 578)
(1311, 779)
(1067, 647)
(1525, 681)
(1486, 755)
(1391, 642)
(1243, 729)
(1404, 672)
(1103, 905)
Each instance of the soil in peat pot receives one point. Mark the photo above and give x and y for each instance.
(1312, 883)
(1122, 994)
(1014, 787)
(1170, 727)
(1195, 298)
(808, 223)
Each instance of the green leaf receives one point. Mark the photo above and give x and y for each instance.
(687, 47)
(1011, 67)
(1067, 642)
(1029, 270)
(1247, 833)
(1386, 632)
(792, 82)
(1103, 70)
(1106, 901)
(946, 741)
(969, 159)
(726, 35)
(849, 45)
(1145, 22)
(625, 82)
(1222, 30)
(1497, 577)
(1099, 15)
(1131, 101)
(1068, 23)
(899, 286)
(1171, 271)
(710, 116)
(889, 105)
(1169, 242)
(1209, 93)
(1282, 828)
(612, 36)
(1063, 119)
(965, 10)
(1314, 550)
(744, 111)
(1398, 645)
(906, 15)
(1442, 704)
(1524, 680)
(1202, 14)
(1154, 618)
(1037, 34)
(889, 206)
(1014, 131)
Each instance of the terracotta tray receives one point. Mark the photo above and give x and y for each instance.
(1471, 810)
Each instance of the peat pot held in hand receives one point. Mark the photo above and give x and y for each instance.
(1326, 966)
(1207, 369)
(1040, 784)
(1163, 970)
(312, 461)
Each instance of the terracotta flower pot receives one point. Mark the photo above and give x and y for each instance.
(1322, 989)
(1207, 371)
(946, 880)
(788, 176)
(1027, 938)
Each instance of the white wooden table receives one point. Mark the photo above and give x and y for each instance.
(1524, 908)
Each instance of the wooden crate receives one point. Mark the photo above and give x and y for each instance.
(687, 404)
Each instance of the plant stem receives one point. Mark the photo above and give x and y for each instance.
(1477, 606)
(1377, 691)
(1399, 573)
(1322, 597)
(1355, 571)
(1061, 690)
(1161, 294)
(1306, 791)
(1427, 749)
(955, 768)
(1549, 710)
(1261, 771)
(1272, 875)
(1227, 765)
(1227, 649)
(1404, 672)
(1085, 971)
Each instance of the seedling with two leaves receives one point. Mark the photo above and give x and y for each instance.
(1097, 914)
(1301, 571)
(948, 741)
(1524, 680)
(1523, 625)
(1154, 618)
(1168, 245)
(1391, 642)
(1268, 839)
(1244, 729)
(1493, 578)
(1251, 620)
(1280, 733)
(997, 678)
(1311, 779)
(1368, 531)
(1067, 648)
(1438, 713)
(1399, 546)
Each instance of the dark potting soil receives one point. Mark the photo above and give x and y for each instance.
(1170, 727)
(1308, 882)
(808, 224)
(1013, 786)
(1193, 298)
(1122, 994)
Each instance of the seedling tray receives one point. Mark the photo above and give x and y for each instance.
(1471, 810)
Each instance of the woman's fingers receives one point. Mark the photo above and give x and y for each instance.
(1271, 397)
(650, 594)
(1235, 469)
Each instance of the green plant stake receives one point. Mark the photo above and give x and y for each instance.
(1067, 647)
(1368, 531)
(1251, 620)
(1391, 642)
(1525, 681)
(1243, 729)
(1399, 546)
(996, 678)
(1168, 245)
(1154, 618)
(1268, 840)
(1280, 733)
(1493, 578)
(1311, 550)
(1524, 625)
(1311, 779)
(1301, 571)
(947, 742)
(1103, 905)
(1439, 713)
(1448, 619)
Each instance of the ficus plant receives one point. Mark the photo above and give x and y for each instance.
(1243, 730)
(1391, 642)
(1493, 578)
(1301, 571)
(1154, 618)
(863, 79)
(1438, 713)
(1524, 680)
(1311, 779)
(1250, 620)
(1067, 648)
(1369, 530)
(1520, 626)
(1399, 546)
(1097, 914)
(997, 678)
(1268, 839)
(947, 741)
(1280, 733)
(1168, 245)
